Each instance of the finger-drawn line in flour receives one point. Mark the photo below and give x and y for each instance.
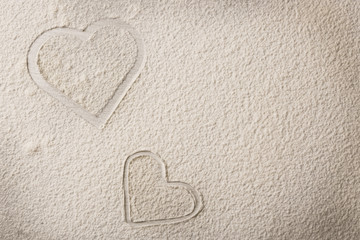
(127, 206)
(98, 120)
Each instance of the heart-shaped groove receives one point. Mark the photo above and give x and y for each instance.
(127, 207)
(99, 120)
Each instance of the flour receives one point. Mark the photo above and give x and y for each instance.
(255, 104)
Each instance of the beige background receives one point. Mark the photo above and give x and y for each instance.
(255, 104)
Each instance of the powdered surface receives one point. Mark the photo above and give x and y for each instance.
(255, 104)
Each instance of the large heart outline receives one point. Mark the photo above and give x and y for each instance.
(100, 119)
(193, 192)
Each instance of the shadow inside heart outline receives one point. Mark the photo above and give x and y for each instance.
(100, 119)
(127, 206)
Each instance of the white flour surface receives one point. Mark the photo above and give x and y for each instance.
(254, 105)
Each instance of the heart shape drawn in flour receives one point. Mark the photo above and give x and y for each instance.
(164, 180)
(100, 119)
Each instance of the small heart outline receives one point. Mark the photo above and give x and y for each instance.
(198, 206)
(99, 120)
